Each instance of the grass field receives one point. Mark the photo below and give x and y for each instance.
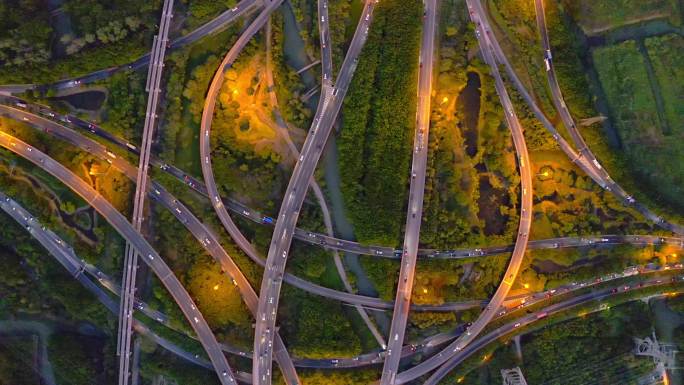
(654, 158)
(595, 16)
(666, 54)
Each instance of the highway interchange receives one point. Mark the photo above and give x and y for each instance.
(518, 253)
(8, 107)
(76, 267)
(326, 114)
(151, 257)
(267, 344)
(589, 164)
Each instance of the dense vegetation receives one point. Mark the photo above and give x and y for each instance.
(470, 182)
(89, 35)
(26, 33)
(201, 11)
(189, 73)
(375, 141)
(75, 358)
(15, 368)
(316, 327)
(597, 347)
(124, 112)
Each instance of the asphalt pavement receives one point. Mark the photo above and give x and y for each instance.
(492, 309)
(326, 114)
(529, 319)
(152, 258)
(414, 214)
(38, 113)
(130, 267)
(589, 164)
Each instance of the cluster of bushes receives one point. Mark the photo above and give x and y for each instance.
(189, 73)
(99, 35)
(126, 105)
(15, 361)
(76, 359)
(316, 327)
(471, 181)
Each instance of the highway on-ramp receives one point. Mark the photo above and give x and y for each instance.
(281, 355)
(328, 108)
(77, 267)
(151, 257)
(523, 229)
(414, 215)
(586, 163)
(19, 109)
(196, 227)
(65, 255)
(530, 319)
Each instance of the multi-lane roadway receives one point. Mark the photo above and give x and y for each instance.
(492, 309)
(64, 254)
(31, 112)
(60, 131)
(326, 114)
(530, 319)
(202, 233)
(588, 163)
(151, 257)
(402, 302)
(131, 260)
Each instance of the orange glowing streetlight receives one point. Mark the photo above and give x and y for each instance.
(216, 287)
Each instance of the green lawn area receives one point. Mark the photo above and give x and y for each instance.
(655, 159)
(667, 54)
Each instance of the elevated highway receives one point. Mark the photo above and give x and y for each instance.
(151, 257)
(414, 213)
(328, 108)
